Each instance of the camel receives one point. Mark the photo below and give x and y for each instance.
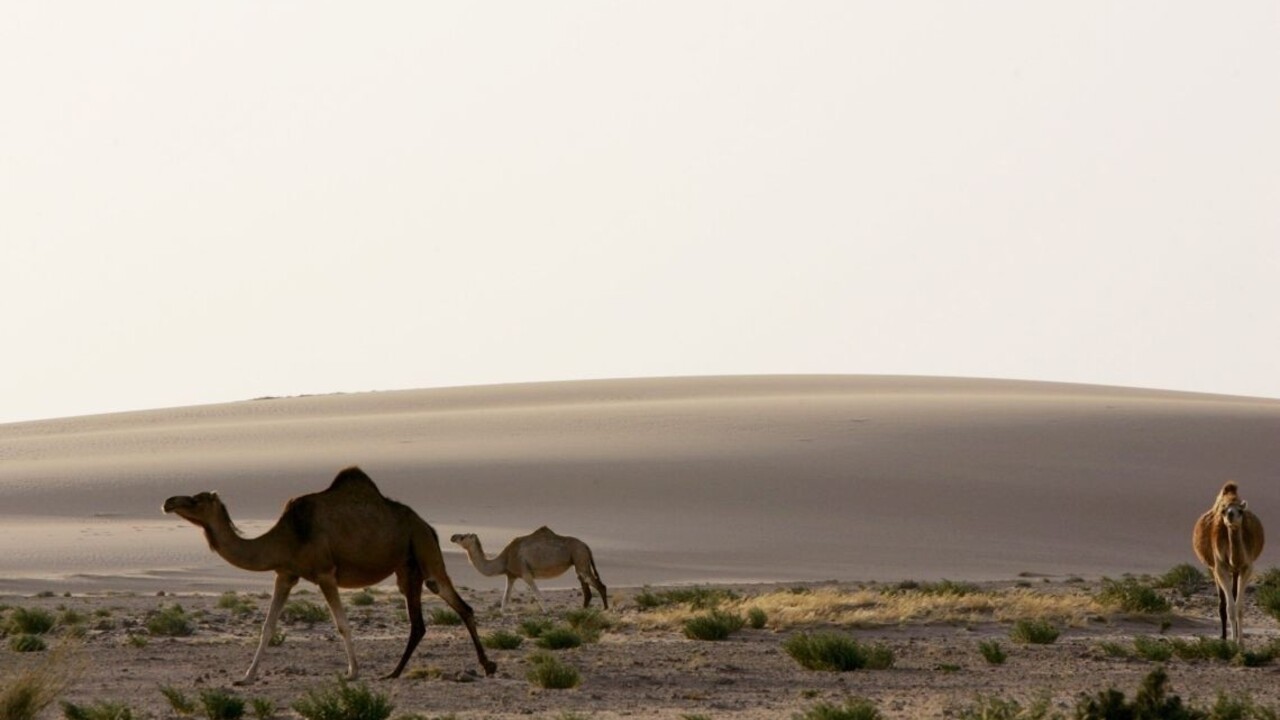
(348, 536)
(1227, 539)
(540, 554)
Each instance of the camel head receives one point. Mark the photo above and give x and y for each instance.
(203, 509)
(465, 539)
(1233, 513)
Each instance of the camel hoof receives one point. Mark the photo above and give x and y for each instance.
(244, 681)
(490, 667)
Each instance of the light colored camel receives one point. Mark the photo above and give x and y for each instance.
(1227, 539)
(348, 536)
(540, 554)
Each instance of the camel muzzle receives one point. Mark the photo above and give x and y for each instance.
(174, 503)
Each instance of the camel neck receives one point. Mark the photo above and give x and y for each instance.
(255, 554)
(484, 565)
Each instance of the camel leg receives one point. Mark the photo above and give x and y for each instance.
(506, 596)
(460, 606)
(1226, 586)
(410, 582)
(1242, 581)
(594, 578)
(528, 579)
(1222, 611)
(329, 586)
(284, 585)
(586, 592)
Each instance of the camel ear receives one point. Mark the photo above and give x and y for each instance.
(1244, 505)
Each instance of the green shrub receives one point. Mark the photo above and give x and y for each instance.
(853, 709)
(714, 625)
(501, 640)
(71, 618)
(24, 694)
(170, 621)
(444, 616)
(1114, 649)
(30, 621)
(221, 705)
(697, 598)
(1132, 596)
(27, 643)
(533, 627)
(1151, 701)
(344, 702)
(180, 703)
(992, 652)
(833, 652)
(757, 618)
(589, 622)
(263, 709)
(1268, 597)
(304, 611)
(990, 707)
(547, 672)
(99, 711)
(237, 604)
(1037, 632)
(1185, 579)
(1152, 649)
(364, 598)
(559, 638)
(1205, 649)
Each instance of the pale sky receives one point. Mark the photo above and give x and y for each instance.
(207, 202)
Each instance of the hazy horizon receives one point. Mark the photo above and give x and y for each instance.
(211, 203)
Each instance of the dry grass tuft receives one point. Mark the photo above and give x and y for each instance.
(25, 693)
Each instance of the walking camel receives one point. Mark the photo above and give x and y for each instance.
(348, 536)
(1227, 539)
(540, 554)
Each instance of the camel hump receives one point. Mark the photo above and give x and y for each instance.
(1230, 488)
(544, 530)
(351, 477)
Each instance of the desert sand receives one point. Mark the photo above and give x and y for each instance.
(732, 481)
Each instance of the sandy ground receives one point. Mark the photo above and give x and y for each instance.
(633, 670)
(774, 480)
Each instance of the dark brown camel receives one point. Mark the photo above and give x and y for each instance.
(348, 536)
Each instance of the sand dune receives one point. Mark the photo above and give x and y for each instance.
(669, 480)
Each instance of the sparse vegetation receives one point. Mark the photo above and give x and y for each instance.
(30, 621)
(304, 611)
(559, 638)
(221, 705)
(344, 702)
(833, 652)
(364, 598)
(1184, 579)
(180, 703)
(590, 623)
(1151, 701)
(549, 673)
(237, 604)
(263, 708)
(27, 643)
(444, 616)
(757, 618)
(171, 621)
(697, 598)
(533, 627)
(97, 711)
(1268, 592)
(1035, 632)
(992, 652)
(1152, 649)
(501, 640)
(990, 707)
(1130, 595)
(942, 588)
(854, 709)
(714, 625)
(24, 694)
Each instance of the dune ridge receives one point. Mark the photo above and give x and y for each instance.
(731, 479)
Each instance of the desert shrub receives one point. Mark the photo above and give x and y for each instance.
(27, 643)
(344, 702)
(714, 625)
(833, 652)
(30, 621)
(757, 618)
(697, 598)
(263, 708)
(1153, 649)
(501, 640)
(1268, 592)
(559, 638)
(304, 611)
(533, 627)
(1185, 579)
(589, 622)
(364, 598)
(221, 705)
(1114, 649)
(170, 621)
(237, 604)
(1036, 632)
(990, 707)
(1204, 649)
(180, 703)
(992, 652)
(547, 672)
(26, 693)
(1132, 596)
(70, 618)
(853, 709)
(947, 588)
(444, 616)
(97, 711)
(1151, 701)
(1261, 656)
